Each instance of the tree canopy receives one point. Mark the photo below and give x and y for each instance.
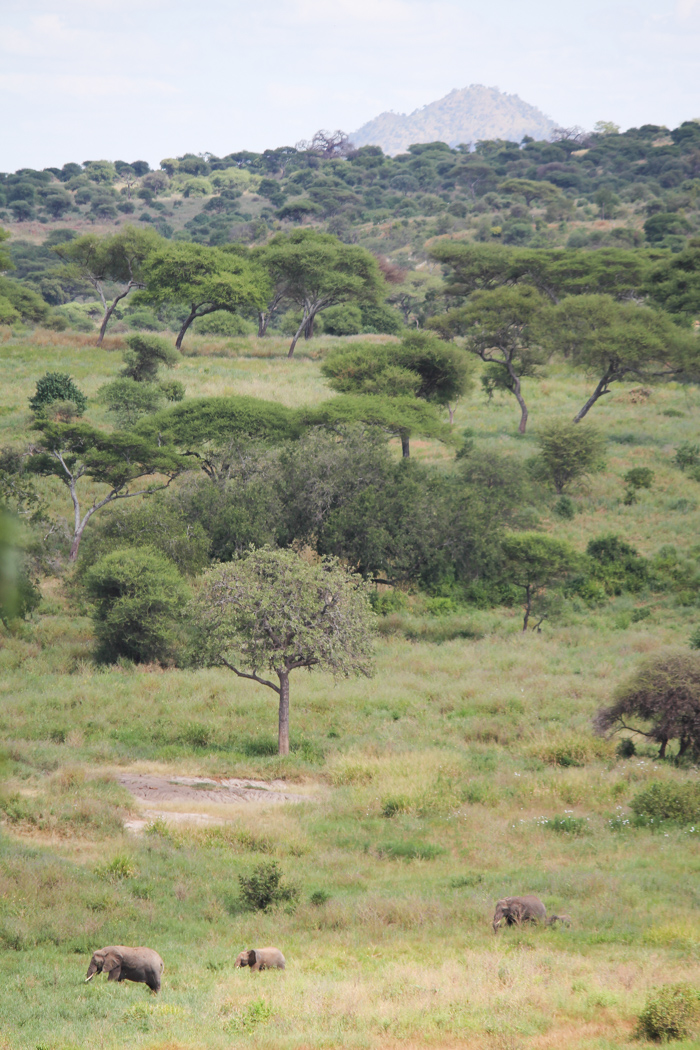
(204, 280)
(73, 451)
(315, 270)
(116, 258)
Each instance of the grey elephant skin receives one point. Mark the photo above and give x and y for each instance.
(262, 959)
(127, 964)
(517, 910)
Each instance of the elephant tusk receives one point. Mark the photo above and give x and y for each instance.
(89, 978)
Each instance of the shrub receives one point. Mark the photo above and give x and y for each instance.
(318, 898)
(138, 594)
(626, 748)
(120, 867)
(671, 1012)
(386, 602)
(665, 800)
(617, 565)
(57, 386)
(394, 804)
(565, 508)
(263, 887)
(568, 825)
(145, 355)
(568, 451)
(221, 322)
(687, 455)
(636, 479)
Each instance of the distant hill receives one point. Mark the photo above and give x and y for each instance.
(465, 115)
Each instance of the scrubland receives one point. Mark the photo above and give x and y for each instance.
(466, 769)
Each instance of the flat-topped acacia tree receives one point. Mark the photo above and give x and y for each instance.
(273, 612)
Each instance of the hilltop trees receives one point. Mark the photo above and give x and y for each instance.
(202, 279)
(274, 612)
(117, 259)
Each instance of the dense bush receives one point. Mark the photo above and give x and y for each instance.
(666, 800)
(263, 888)
(57, 387)
(671, 1012)
(137, 595)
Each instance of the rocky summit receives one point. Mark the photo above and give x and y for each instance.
(465, 115)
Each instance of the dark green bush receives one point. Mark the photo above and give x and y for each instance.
(666, 800)
(138, 595)
(318, 898)
(263, 887)
(671, 1012)
(626, 748)
(565, 508)
(57, 386)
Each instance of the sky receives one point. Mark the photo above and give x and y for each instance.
(147, 79)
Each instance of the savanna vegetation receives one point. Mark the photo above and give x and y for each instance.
(450, 469)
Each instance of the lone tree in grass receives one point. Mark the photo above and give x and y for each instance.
(661, 701)
(272, 612)
(534, 561)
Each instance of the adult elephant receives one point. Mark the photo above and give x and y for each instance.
(143, 965)
(517, 910)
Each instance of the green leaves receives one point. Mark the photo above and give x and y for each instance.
(273, 610)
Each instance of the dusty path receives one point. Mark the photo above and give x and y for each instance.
(173, 791)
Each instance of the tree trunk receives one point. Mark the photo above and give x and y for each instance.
(662, 749)
(297, 337)
(74, 546)
(284, 712)
(263, 319)
(186, 325)
(405, 444)
(528, 606)
(309, 327)
(451, 411)
(601, 389)
(109, 311)
(521, 401)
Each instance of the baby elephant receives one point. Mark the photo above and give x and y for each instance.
(262, 959)
(517, 910)
(565, 920)
(127, 964)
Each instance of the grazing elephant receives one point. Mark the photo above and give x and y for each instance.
(517, 910)
(262, 959)
(127, 964)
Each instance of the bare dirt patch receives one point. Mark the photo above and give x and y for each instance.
(202, 792)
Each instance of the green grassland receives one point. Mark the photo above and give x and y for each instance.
(466, 769)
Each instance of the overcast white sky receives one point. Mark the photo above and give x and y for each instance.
(147, 79)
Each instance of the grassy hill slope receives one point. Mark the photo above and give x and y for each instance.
(465, 770)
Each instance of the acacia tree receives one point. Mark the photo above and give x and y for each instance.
(315, 270)
(274, 612)
(76, 451)
(422, 365)
(204, 279)
(497, 327)
(568, 452)
(534, 561)
(118, 258)
(612, 341)
(664, 695)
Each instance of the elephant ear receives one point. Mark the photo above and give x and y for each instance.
(252, 957)
(112, 963)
